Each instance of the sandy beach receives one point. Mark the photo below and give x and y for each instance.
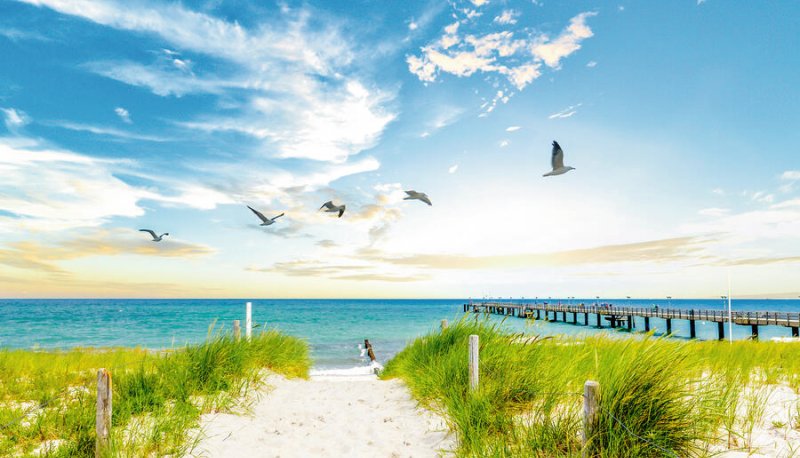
(328, 415)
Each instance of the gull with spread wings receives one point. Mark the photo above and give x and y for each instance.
(558, 162)
(414, 195)
(264, 220)
(330, 208)
(156, 238)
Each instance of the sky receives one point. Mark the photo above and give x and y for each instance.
(680, 119)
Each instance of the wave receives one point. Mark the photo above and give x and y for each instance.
(371, 369)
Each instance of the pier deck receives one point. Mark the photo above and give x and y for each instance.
(624, 315)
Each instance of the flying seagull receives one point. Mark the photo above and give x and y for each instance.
(156, 238)
(558, 162)
(414, 195)
(264, 220)
(330, 208)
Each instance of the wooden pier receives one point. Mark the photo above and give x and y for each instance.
(623, 316)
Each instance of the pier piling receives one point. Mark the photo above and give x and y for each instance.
(626, 316)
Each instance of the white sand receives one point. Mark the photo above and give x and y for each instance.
(778, 432)
(327, 416)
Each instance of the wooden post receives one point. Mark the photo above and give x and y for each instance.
(103, 419)
(237, 332)
(692, 331)
(586, 319)
(444, 325)
(368, 346)
(248, 320)
(591, 404)
(669, 325)
(630, 322)
(599, 322)
(473, 362)
(795, 331)
(721, 330)
(754, 331)
(647, 324)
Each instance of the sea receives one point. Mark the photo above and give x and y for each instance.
(335, 329)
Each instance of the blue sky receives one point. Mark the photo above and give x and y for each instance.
(680, 119)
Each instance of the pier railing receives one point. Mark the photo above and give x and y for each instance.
(621, 314)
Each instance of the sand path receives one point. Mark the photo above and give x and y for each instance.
(327, 416)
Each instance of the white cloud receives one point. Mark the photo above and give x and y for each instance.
(50, 189)
(591, 64)
(761, 196)
(566, 112)
(718, 191)
(507, 17)
(790, 175)
(518, 58)
(107, 131)
(14, 119)
(503, 143)
(714, 212)
(17, 35)
(184, 65)
(123, 114)
(413, 25)
(453, 168)
(569, 41)
(296, 97)
(445, 116)
(479, 2)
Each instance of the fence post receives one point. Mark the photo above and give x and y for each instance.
(591, 401)
(103, 419)
(237, 331)
(444, 325)
(473, 362)
(248, 320)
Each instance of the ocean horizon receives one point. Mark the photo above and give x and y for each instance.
(334, 328)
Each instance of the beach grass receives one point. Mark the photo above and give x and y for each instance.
(48, 399)
(658, 396)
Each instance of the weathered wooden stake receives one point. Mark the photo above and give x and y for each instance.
(444, 325)
(591, 403)
(368, 346)
(103, 419)
(473, 362)
(248, 320)
(237, 331)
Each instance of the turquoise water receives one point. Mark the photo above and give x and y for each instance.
(333, 328)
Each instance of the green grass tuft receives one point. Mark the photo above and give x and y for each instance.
(673, 397)
(157, 397)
